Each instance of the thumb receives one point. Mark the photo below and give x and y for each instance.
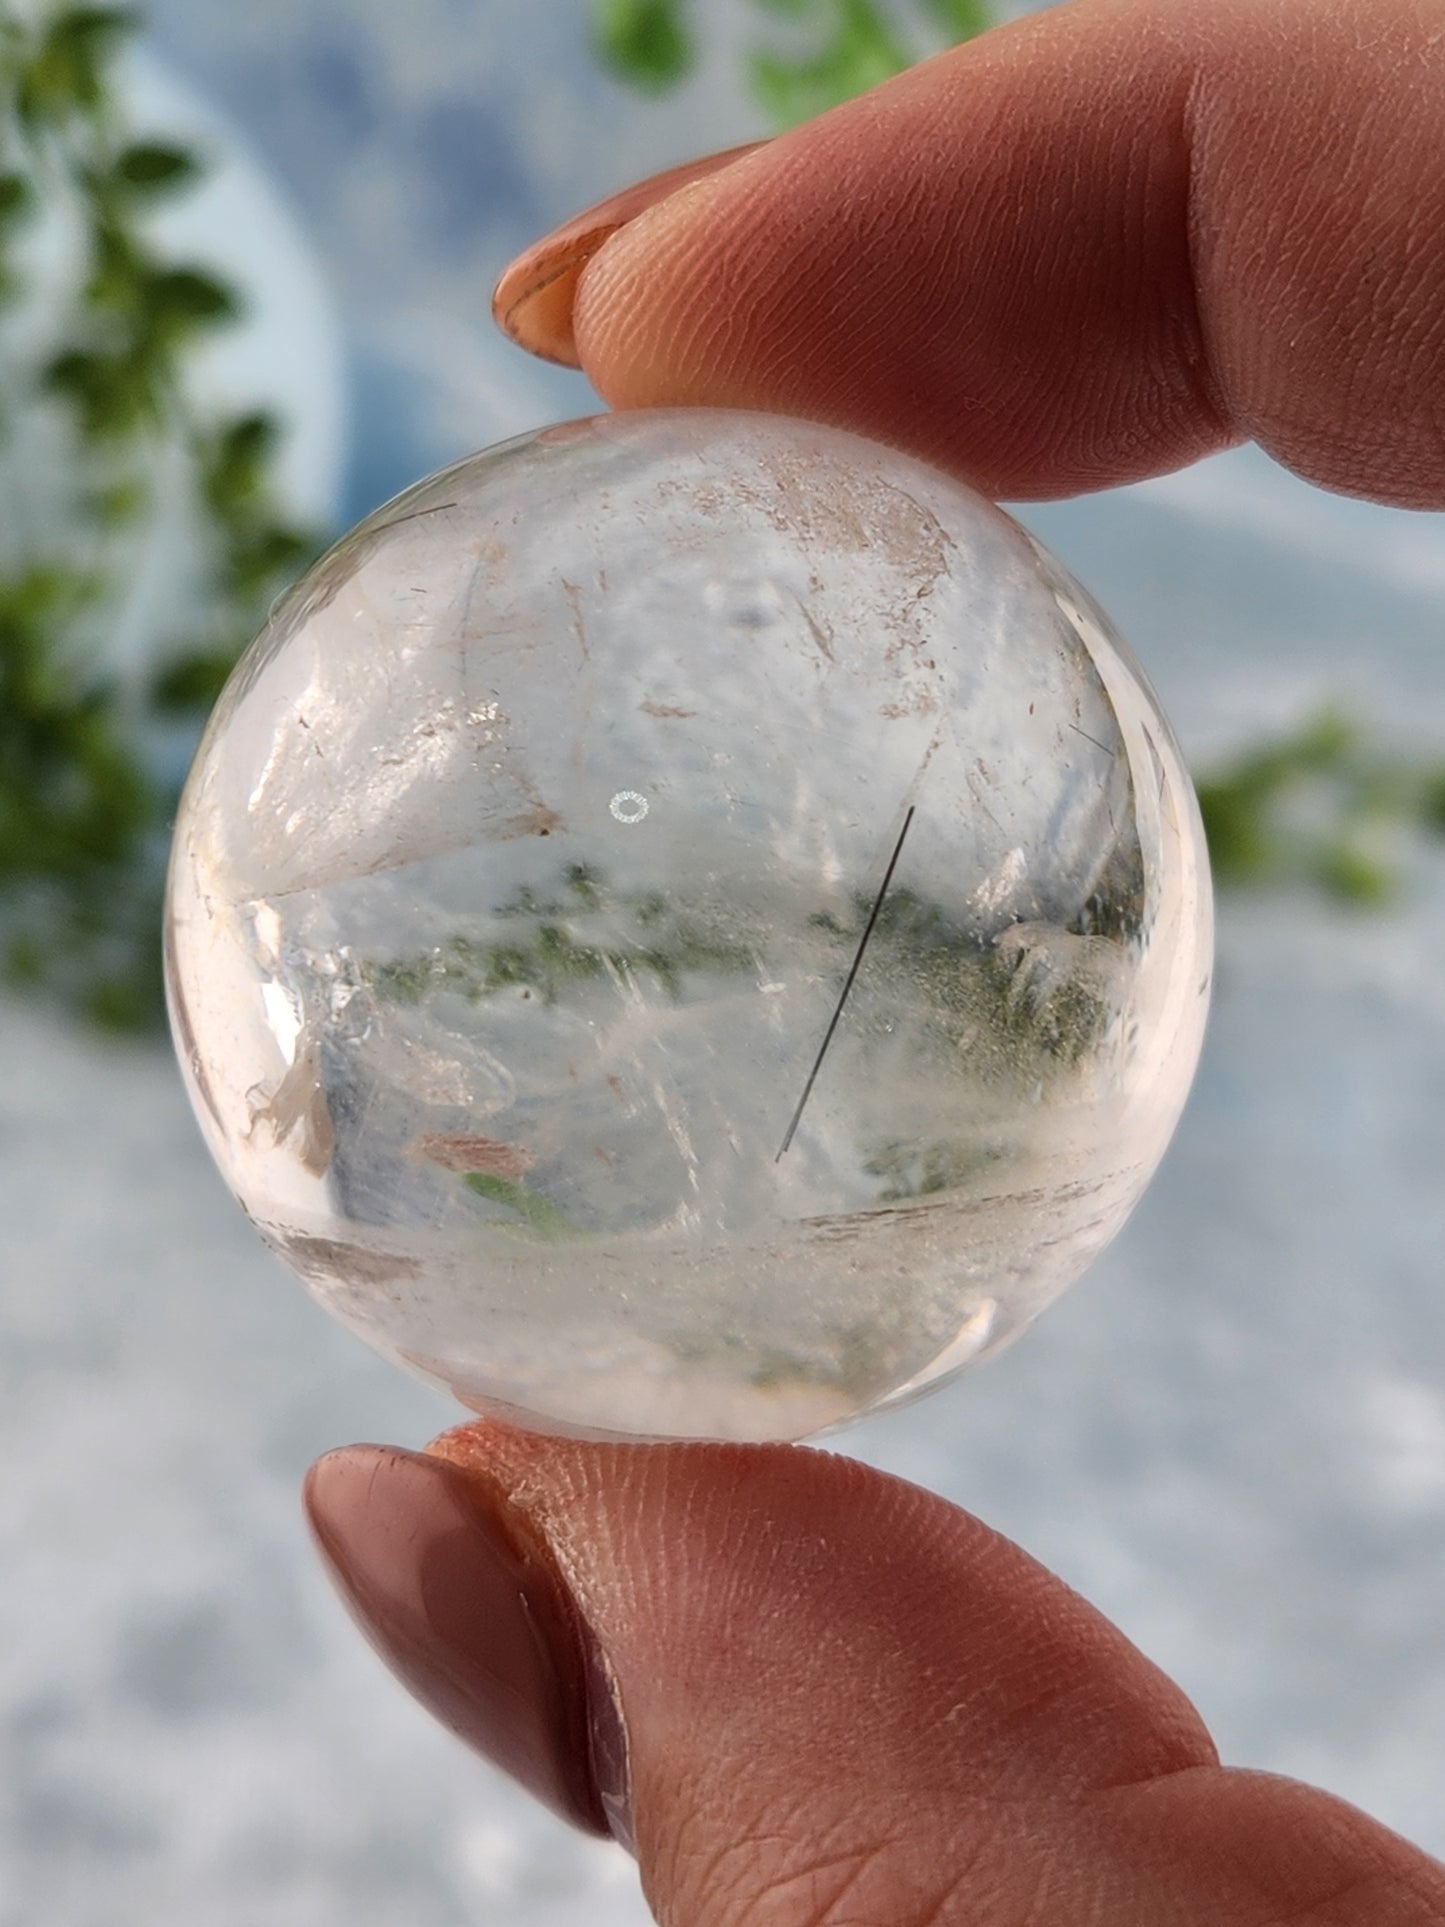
(806, 1693)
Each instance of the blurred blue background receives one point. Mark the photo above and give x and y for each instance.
(1231, 1435)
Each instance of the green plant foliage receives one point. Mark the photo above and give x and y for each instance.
(83, 812)
(858, 51)
(14, 199)
(1322, 807)
(62, 70)
(644, 41)
(959, 19)
(833, 49)
(148, 169)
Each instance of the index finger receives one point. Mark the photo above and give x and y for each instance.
(1082, 249)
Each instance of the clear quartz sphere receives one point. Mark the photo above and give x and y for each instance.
(688, 924)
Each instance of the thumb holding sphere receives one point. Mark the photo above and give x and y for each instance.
(808, 1694)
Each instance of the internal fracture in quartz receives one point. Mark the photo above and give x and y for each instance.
(688, 924)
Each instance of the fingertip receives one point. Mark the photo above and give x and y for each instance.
(532, 303)
(334, 1488)
(464, 1603)
(843, 1697)
(535, 299)
(636, 350)
(934, 265)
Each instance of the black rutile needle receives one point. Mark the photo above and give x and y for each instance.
(847, 987)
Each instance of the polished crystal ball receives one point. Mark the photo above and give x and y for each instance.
(687, 925)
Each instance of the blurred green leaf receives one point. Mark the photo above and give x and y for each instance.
(65, 71)
(234, 465)
(118, 504)
(111, 394)
(1240, 848)
(643, 41)
(959, 19)
(93, 28)
(150, 168)
(860, 52)
(188, 296)
(118, 268)
(83, 817)
(24, 964)
(191, 684)
(1311, 808)
(125, 1001)
(856, 44)
(257, 560)
(17, 199)
(1351, 876)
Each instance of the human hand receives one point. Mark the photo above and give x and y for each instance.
(1080, 250)
(1092, 246)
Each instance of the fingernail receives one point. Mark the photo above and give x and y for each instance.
(463, 1600)
(533, 300)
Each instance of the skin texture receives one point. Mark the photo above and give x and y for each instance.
(1091, 246)
(1086, 248)
(533, 300)
(845, 1702)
